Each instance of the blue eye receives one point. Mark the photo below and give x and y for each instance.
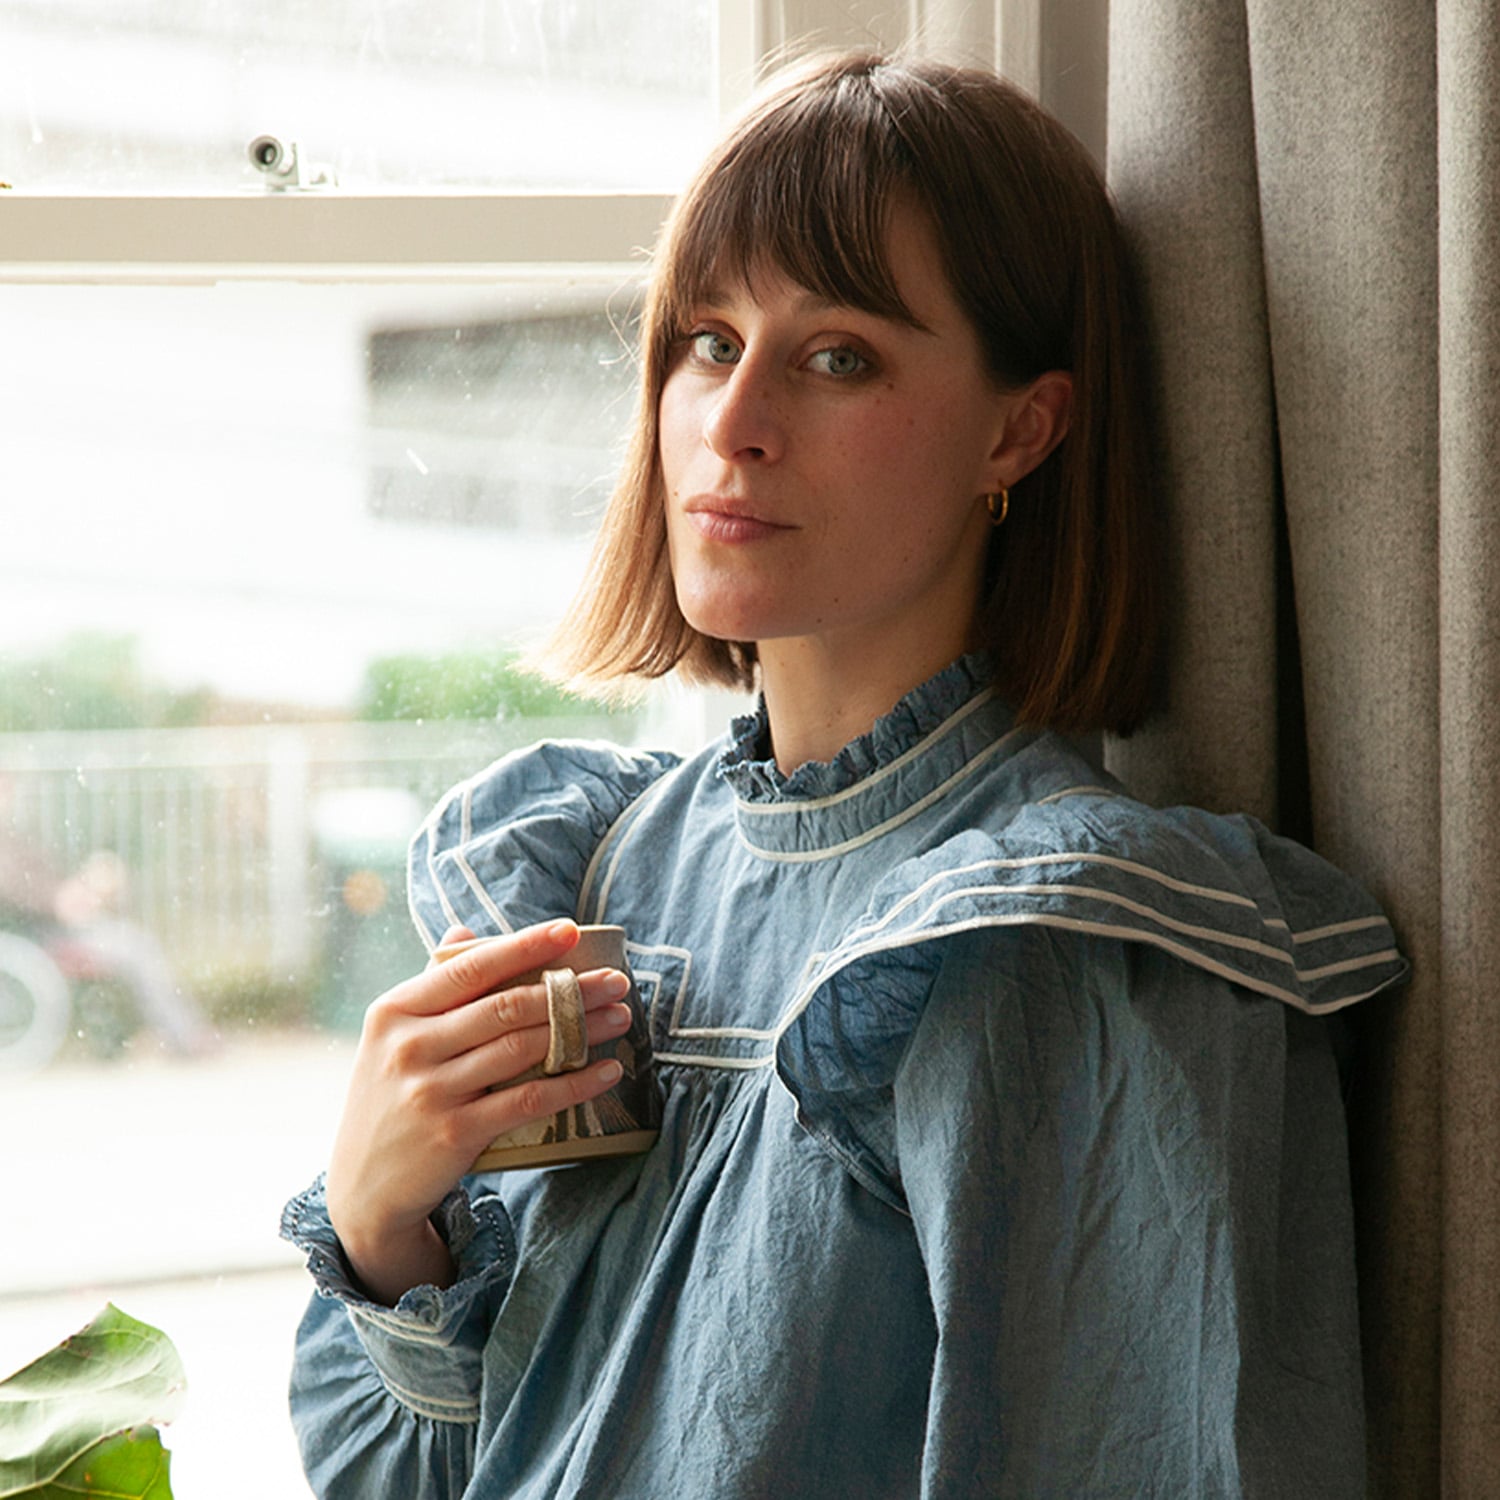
(715, 348)
(841, 361)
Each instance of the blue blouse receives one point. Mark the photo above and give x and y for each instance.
(1002, 1153)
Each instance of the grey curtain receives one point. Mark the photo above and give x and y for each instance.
(1314, 190)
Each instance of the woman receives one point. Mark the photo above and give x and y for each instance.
(1000, 1152)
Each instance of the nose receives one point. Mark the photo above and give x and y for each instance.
(745, 423)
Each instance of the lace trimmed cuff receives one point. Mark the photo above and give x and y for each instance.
(478, 1236)
(428, 1349)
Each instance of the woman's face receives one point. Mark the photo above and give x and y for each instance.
(824, 468)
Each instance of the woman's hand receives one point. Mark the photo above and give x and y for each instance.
(420, 1107)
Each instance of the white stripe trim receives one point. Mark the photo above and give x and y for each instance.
(1385, 955)
(743, 1033)
(461, 859)
(1131, 867)
(1195, 957)
(1077, 791)
(732, 1064)
(465, 1413)
(463, 795)
(442, 895)
(813, 804)
(1140, 908)
(585, 889)
(685, 957)
(429, 938)
(1337, 929)
(466, 813)
(1074, 924)
(808, 856)
(400, 1327)
(429, 823)
(449, 910)
(1025, 862)
(461, 792)
(635, 805)
(1224, 939)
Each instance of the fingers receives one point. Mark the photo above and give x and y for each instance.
(499, 1053)
(483, 966)
(539, 1098)
(515, 1007)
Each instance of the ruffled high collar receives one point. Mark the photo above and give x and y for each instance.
(755, 778)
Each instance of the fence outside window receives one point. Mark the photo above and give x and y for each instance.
(246, 846)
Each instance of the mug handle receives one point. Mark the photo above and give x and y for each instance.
(568, 1043)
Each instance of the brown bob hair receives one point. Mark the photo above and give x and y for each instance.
(805, 184)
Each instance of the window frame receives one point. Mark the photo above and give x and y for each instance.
(1056, 50)
(335, 236)
(327, 233)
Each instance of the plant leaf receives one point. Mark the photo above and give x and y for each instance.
(112, 1376)
(128, 1466)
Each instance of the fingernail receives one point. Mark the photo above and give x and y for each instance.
(559, 931)
(610, 1072)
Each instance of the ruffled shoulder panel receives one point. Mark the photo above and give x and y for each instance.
(512, 845)
(1222, 896)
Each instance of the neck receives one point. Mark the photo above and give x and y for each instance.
(818, 698)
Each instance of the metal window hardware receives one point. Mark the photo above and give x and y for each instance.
(284, 168)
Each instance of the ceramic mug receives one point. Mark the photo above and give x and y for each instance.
(620, 1122)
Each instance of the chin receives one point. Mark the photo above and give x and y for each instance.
(723, 620)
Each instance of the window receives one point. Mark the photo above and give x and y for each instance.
(289, 476)
(163, 95)
(292, 469)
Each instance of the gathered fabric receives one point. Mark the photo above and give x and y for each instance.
(1002, 1152)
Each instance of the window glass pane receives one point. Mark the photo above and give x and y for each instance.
(269, 550)
(168, 94)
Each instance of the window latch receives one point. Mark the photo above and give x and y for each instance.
(284, 169)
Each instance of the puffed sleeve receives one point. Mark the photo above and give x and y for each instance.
(385, 1400)
(1128, 1181)
(513, 845)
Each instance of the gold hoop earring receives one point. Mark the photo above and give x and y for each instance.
(998, 512)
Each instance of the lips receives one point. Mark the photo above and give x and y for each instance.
(727, 518)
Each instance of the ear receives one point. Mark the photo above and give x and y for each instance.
(1035, 421)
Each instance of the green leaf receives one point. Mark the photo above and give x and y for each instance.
(128, 1466)
(114, 1375)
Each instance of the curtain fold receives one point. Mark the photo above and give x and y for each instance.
(1187, 143)
(1312, 191)
(1468, 126)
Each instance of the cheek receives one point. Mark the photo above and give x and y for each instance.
(905, 434)
(677, 434)
(906, 450)
(949, 441)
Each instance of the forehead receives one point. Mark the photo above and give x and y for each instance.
(891, 266)
(919, 294)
